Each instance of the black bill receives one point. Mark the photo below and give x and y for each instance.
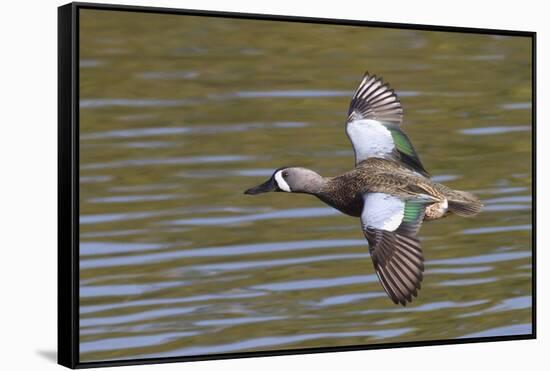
(269, 186)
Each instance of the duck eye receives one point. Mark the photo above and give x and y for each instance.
(285, 174)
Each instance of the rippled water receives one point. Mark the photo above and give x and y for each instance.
(179, 115)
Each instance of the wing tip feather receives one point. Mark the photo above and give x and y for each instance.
(401, 280)
(367, 93)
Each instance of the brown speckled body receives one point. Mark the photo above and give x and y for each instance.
(345, 192)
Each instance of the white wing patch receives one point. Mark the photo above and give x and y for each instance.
(443, 206)
(369, 139)
(281, 182)
(382, 211)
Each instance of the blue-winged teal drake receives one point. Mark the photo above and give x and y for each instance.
(389, 189)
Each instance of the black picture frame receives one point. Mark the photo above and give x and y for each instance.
(68, 185)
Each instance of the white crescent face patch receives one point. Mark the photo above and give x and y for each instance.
(281, 182)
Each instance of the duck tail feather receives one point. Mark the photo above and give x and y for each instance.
(464, 203)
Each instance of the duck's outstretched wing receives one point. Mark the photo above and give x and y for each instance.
(390, 224)
(373, 126)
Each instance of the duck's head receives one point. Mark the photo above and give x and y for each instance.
(289, 179)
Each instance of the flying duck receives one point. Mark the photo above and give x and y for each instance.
(388, 189)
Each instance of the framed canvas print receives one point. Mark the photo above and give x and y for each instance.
(237, 185)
